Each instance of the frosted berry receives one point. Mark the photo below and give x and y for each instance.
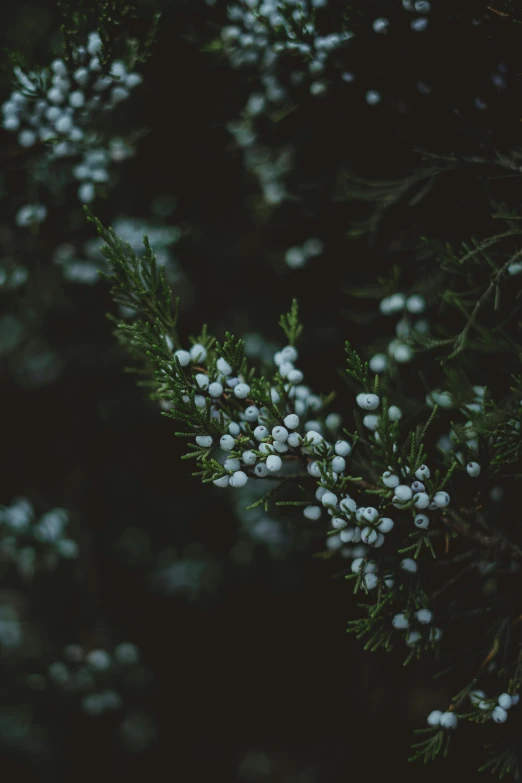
(183, 357)
(473, 469)
(342, 448)
(390, 480)
(291, 421)
(242, 390)
(198, 353)
(421, 500)
(441, 499)
(238, 479)
(280, 433)
(409, 565)
(421, 521)
(368, 402)
(274, 463)
(260, 432)
(338, 464)
(227, 442)
(369, 535)
(424, 616)
(385, 525)
(505, 701)
(215, 389)
(223, 366)
(201, 380)
(205, 441)
(400, 621)
(448, 720)
(312, 512)
(499, 715)
(403, 493)
(423, 472)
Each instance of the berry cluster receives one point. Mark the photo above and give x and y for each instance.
(32, 544)
(56, 108)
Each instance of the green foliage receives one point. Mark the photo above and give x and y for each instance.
(290, 323)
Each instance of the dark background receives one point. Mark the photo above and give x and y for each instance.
(254, 677)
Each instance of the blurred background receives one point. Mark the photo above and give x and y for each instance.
(245, 671)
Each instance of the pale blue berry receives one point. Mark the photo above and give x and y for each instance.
(183, 357)
(421, 521)
(274, 463)
(338, 464)
(198, 353)
(400, 621)
(291, 421)
(215, 389)
(441, 499)
(201, 380)
(280, 434)
(242, 390)
(424, 616)
(312, 512)
(252, 413)
(473, 469)
(385, 525)
(448, 720)
(223, 366)
(238, 479)
(260, 432)
(342, 448)
(205, 441)
(227, 442)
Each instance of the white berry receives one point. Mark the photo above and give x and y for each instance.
(291, 421)
(312, 512)
(274, 463)
(223, 366)
(434, 717)
(385, 525)
(369, 402)
(409, 565)
(423, 472)
(448, 720)
(280, 433)
(249, 458)
(238, 479)
(242, 390)
(183, 357)
(505, 701)
(499, 715)
(403, 493)
(424, 616)
(205, 441)
(198, 353)
(441, 499)
(390, 479)
(369, 535)
(400, 621)
(473, 469)
(421, 521)
(342, 448)
(421, 500)
(338, 464)
(215, 389)
(227, 442)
